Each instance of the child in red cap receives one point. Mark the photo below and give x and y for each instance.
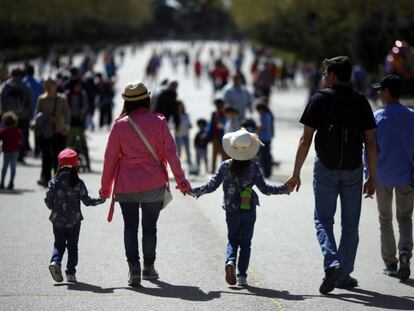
(65, 191)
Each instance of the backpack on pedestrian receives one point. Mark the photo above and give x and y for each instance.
(343, 136)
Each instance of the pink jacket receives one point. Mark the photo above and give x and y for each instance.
(129, 165)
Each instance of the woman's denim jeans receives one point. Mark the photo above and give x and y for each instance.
(150, 214)
(240, 227)
(327, 185)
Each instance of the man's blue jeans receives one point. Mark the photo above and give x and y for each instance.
(150, 214)
(240, 227)
(327, 185)
(66, 238)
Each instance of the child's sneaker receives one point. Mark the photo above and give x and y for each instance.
(242, 281)
(230, 273)
(56, 272)
(149, 273)
(71, 278)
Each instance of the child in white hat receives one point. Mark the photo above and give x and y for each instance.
(239, 175)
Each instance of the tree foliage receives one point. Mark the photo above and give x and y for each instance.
(316, 29)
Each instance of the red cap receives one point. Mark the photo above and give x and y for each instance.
(68, 157)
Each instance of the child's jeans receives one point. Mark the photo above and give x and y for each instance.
(9, 158)
(240, 227)
(66, 238)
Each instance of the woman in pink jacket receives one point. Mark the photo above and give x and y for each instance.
(136, 177)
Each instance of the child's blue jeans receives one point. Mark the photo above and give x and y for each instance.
(240, 227)
(9, 159)
(66, 238)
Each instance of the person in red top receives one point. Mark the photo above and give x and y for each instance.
(12, 138)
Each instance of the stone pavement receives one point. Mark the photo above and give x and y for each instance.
(286, 263)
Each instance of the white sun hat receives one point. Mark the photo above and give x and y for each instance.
(241, 145)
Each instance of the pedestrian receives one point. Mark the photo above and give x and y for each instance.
(237, 96)
(239, 174)
(232, 119)
(52, 124)
(106, 102)
(167, 103)
(395, 173)
(78, 105)
(15, 97)
(344, 123)
(36, 89)
(182, 133)
(200, 145)
(138, 178)
(90, 85)
(265, 132)
(216, 132)
(12, 138)
(65, 191)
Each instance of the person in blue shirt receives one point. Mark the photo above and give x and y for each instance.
(239, 175)
(63, 198)
(236, 95)
(395, 149)
(265, 135)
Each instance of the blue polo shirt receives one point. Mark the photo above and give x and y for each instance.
(394, 161)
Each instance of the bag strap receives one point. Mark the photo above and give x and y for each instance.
(397, 128)
(144, 139)
(150, 149)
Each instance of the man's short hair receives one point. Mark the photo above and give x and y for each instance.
(340, 66)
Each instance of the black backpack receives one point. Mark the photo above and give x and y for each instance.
(342, 135)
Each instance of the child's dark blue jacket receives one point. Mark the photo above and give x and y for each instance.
(64, 201)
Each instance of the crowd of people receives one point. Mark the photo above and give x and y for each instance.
(350, 140)
(58, 109)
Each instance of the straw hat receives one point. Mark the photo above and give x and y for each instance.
(241, 145)
(135, 90)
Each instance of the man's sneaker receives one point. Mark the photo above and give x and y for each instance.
(150, 273)
(404, 270)
(71, 278)
(331, 276)
(242, 281)
(56, 272)
(351, 283)
(391, 270)
(134, 274)
(230, 273)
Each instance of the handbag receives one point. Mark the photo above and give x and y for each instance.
(167, 192)
(411, 181)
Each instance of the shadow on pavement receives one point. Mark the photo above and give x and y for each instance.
(16, 191)
(166, 290)
(267, 293)
(409, 282)
(374, 299)
(85, 287)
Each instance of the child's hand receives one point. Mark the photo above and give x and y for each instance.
(101, 200)
(290, 187)
(190, 193)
